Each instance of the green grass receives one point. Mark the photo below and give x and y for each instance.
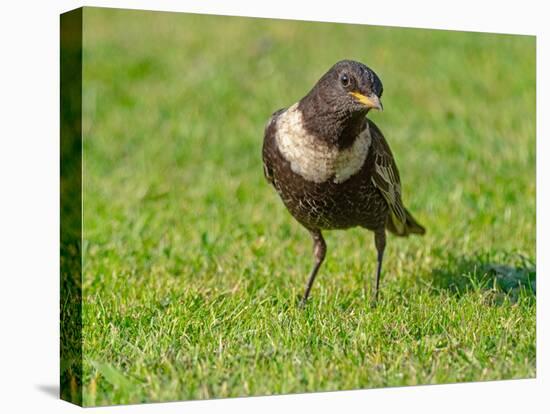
(192, 265)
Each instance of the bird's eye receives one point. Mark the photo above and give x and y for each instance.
(344, 79)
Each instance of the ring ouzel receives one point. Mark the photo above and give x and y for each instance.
(331, 165)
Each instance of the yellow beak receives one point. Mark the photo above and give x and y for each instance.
(371, 101)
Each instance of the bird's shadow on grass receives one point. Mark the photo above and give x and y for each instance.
(508, 278)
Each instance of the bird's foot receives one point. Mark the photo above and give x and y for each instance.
(374, 303)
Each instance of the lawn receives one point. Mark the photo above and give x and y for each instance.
(193, 267)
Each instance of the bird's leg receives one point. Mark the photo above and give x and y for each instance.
(319, 251)
(380, 243)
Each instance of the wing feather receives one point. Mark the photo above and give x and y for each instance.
(386, 178)
(269, 132)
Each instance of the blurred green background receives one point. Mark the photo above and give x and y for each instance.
(192, 265)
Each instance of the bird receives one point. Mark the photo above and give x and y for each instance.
(331, 165)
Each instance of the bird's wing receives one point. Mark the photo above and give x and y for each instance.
(385, 177)
(269, 136)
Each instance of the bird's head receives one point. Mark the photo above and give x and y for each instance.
(350, 87)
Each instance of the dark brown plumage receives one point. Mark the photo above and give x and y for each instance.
(332, 167)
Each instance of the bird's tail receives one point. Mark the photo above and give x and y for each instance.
(411, 225)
